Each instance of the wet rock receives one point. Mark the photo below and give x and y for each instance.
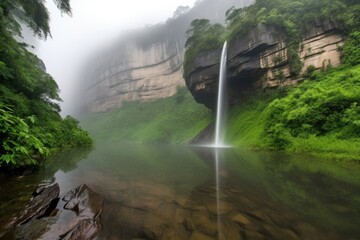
(85, 229)
(84, 201)
(43, 203)
(218, 208)
(260, 215)
(203, 223)
(229, 230)
(250, 235)
(34, 229)
(189, 225)
(199, 236)
(87, 205)
(209, 229)
(45, 217)
(276, 232)
(241, 219)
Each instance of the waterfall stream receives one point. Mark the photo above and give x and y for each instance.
(221, 101)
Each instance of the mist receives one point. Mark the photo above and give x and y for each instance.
(93, 25)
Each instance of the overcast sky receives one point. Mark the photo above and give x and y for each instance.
(94, 24)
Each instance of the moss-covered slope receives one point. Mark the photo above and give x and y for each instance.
(320, 116)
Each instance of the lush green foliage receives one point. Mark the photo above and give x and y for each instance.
(321, 115)
(351, 49)
(30, 121)
(202, 36)
(18, 143)
(292, 18)
(326, 105)
(176, 119)
(289, 19)
(32, 13)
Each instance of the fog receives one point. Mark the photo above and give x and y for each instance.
(94, 24)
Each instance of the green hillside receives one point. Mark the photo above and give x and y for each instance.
(176, 119)
(320, 116)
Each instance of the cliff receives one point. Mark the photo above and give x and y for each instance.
(146, 64)
(258, 62)
(136, 73)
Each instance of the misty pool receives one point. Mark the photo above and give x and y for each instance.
(169, 192)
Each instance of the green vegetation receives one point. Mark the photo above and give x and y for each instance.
(176, 119)
(320, 116)
(29, 119)
(18, 141)
(351, 49)
(289, 19)
(202, 36)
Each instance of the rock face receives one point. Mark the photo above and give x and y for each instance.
(136, 73)
(147, 64)
(259, 61)
(75, 216)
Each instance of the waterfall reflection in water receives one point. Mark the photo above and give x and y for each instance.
(170, 193)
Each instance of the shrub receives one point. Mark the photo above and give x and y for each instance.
(351, 50)
(327, 106)
(19, 146)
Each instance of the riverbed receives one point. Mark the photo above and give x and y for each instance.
(171, 192)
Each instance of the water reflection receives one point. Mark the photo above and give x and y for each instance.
(16, 191)
(168, 192)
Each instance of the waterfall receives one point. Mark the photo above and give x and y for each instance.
(221, 100)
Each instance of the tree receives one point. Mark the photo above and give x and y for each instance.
(202, 36)
(30, 122)
(33, 13)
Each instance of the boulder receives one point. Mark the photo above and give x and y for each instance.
(75, 216)
(42, 204)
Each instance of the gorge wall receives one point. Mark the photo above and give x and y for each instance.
(146, 64)
(259, 61)
(135, 74)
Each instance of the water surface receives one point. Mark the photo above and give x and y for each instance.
(169, 192)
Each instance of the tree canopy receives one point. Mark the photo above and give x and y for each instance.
(30, 122)
(202, 36)
(33, 13)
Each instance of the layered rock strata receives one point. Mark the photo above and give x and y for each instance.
(259, 61)
(146, 64)
(136, 74)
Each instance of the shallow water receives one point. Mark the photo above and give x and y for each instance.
(169, 192)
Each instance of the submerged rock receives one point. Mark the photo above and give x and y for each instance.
(44, 201)
(87, 204)
(75, 216)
